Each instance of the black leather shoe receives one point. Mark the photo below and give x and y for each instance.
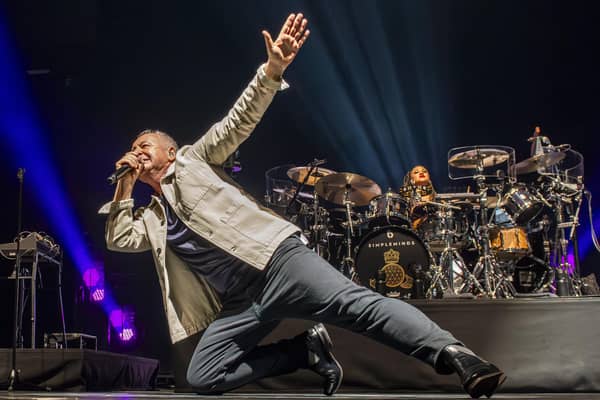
(322, 360)
(477, 376)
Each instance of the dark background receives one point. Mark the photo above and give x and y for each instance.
(469, 72)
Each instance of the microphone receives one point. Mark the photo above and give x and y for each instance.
(118, 174)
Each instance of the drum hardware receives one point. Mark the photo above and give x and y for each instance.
(444, 274)
(317, 227)
(304, 176)
(568, 276)
(495, 282)
(287, 194)
(348, 190)
(457, 196)
(348, 266)
(561, 171)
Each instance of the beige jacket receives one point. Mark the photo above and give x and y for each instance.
(210, 204)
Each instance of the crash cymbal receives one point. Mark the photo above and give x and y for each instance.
(360, 188)
(536, 162)
(472, 158)
(299, 173)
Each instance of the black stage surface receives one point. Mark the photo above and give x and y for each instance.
(159, 395)
(544, 345)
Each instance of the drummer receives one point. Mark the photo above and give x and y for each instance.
(418, 189)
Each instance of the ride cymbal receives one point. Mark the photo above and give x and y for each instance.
(471, 159)
(360, 189)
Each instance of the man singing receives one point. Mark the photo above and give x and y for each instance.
(229, 266)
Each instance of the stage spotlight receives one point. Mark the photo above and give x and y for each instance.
(126, 334)
(122, 323)
(97, 295)
(93, 276)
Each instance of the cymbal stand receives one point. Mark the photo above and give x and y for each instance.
(565, 205)
(348, 261)
(317, 239)
(439, 280)
(319, 227)
(451, 257)
(495, 283)
(548, 276)
(313, 167)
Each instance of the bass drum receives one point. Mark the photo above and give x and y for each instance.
(387, 260)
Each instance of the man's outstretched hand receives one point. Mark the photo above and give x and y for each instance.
(283, 50)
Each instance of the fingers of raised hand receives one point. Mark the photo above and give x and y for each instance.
(287, 26)
(298, 27)
(303, 38)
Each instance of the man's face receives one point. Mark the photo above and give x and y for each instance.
(419, 175)
(153, 151)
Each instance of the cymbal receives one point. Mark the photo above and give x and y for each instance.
(299, 173)
(536, 162)
(360, 188)
(471, 158)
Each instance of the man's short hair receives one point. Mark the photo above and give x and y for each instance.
(171, 142)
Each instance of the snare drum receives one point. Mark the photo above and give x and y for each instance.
(509, 244)
(522, 205)
(388, 209)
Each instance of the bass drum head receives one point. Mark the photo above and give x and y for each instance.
(392, 254)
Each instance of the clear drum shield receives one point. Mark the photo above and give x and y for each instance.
(492, 162)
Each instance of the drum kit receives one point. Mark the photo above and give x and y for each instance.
(509, 237)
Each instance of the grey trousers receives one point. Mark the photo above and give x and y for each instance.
(300, 284)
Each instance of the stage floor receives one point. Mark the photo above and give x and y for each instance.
(163, 394)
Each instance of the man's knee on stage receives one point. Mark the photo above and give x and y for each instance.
(203, 379)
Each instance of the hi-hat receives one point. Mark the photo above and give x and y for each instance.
(360, 189)
(536, 162)
(486, 157)
(299, 173)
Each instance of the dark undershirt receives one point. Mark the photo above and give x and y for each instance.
(223, 271)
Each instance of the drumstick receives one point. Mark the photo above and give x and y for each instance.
(442, 205)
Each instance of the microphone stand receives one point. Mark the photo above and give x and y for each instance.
(14, 382)
(314, 164)
(13, 378)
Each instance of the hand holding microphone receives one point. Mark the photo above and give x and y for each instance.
(130, 165)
